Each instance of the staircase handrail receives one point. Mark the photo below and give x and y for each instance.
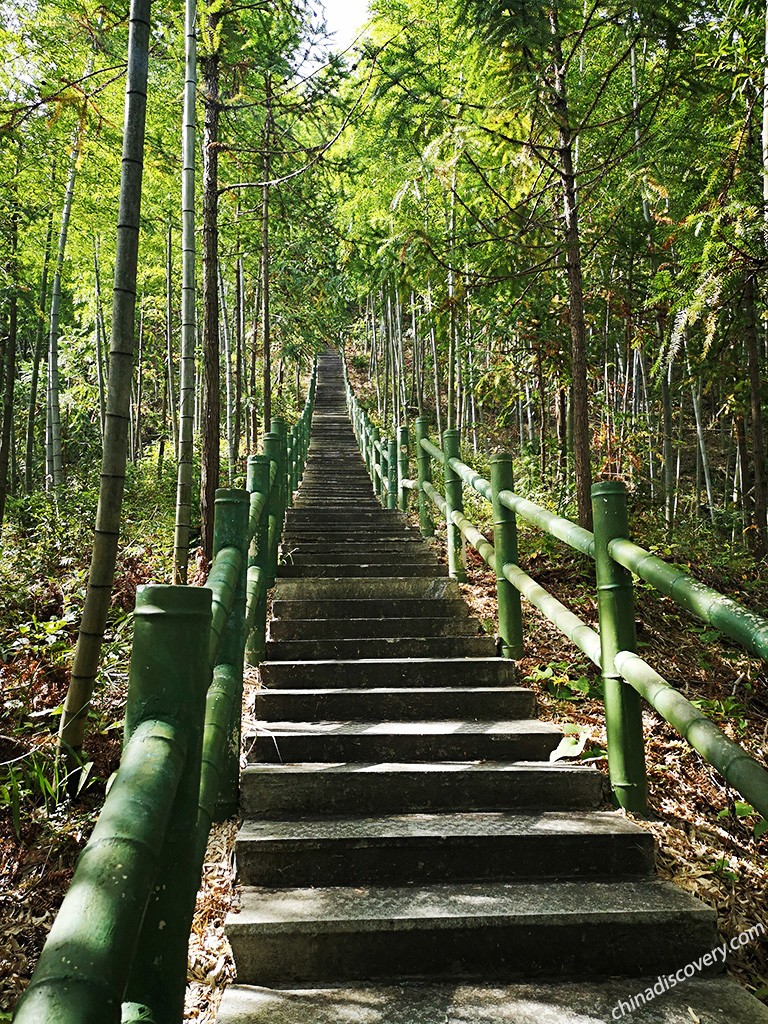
(117, 950)
(612, 648)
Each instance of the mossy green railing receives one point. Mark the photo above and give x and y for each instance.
(626, 677)
(117, 951)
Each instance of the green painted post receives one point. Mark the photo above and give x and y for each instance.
(272, 449)
(392, 474)
(616, 612)
(230, 530)
(368, 429)
(455, 501)
(505, 545)
(259, 557)
(424, 473)
(383, 480)
(169, 676)
(376, 462)
(402, 467)
(278, 426)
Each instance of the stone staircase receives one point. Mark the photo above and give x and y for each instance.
(408, 853)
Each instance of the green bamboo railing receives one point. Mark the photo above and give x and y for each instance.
(117, 951)
(627, 678)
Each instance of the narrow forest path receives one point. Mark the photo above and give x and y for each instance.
(409, 853)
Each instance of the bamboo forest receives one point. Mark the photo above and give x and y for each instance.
(383, 511)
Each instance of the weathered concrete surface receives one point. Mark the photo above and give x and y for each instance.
(494, 930)
(327, 788)
(292, 742)
(710, 1001)
(405, 703)
(431, 848)
(389, 672)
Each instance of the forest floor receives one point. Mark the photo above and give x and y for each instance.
(705, 833)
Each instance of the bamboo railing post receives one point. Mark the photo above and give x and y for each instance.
(272, 450)
(230, 530)
(424, 474)
(455, 503)
(402, 467)
(392, 473)
(377, 463)
(505, 545)
(169, 676)
(259, 559)
(277, 426)
(616, 611)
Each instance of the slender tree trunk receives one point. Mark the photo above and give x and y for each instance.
(139, 387)
(756, 418)
(170, 390)
(40, 337)
(229, 411)
(54, 460)
(6, 433)
(265, 322)
(188, 309)
(579, 389)
(211, 413)
(98, 330)
(239, 336)
(112, 483)
(667, 450)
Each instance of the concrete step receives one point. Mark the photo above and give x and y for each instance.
(381, 647)
(371, 589)
(333, 534)
(715, 1000)
(451, 740)
(404, 542)
(397, 608)
(389, 672)
(394, 557)
(347, 629)
(432, 848)
(368, 567)
(400, 704)
(490, 929)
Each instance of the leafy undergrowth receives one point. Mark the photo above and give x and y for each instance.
(710, 842)
(43, 576)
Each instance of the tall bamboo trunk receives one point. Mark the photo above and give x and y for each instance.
(99, 334)
(211, 412)
(40, 338)
(112, 483)
(227, 353)
(54, 464)
(756, 417)
(579, 390)
(266, 337)
(188, 310)
(6, 432)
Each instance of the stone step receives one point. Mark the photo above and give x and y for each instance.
(392, 558)
(396, 608)
(372, 704)
(371, 589)
(449, 740)
(497, 930)
(712, 999)
(405, 545)
(335, 533)
(407, 849)
(389, 672)
(368, 567)
(327, 628)
(381, 647)
(356, 517)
